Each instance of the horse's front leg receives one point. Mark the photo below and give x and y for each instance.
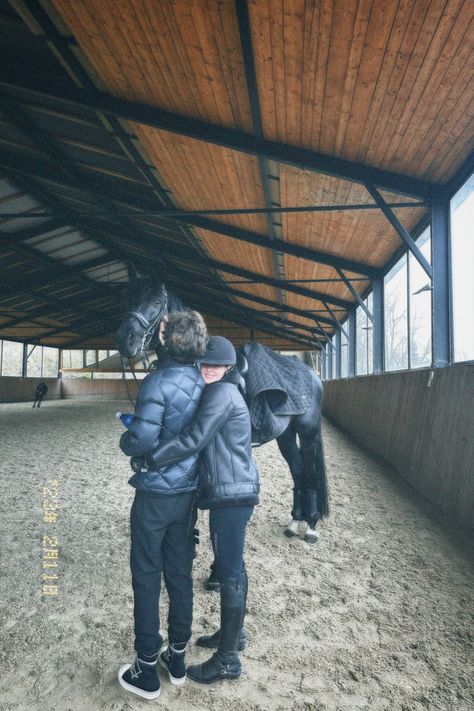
(290, 451)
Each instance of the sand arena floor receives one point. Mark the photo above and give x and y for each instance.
(377, 615)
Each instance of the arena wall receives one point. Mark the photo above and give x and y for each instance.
(22, 389)
(420, 422)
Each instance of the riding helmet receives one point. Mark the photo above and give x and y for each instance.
(219, 351)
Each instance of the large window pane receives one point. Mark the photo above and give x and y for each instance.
(462, 261)
(344, 354)
(361, 342)
(50, 362)
(12, 358)
(396, 317)
(33, 366)
(91, 357)
(73, 359)
(420, 306)
(333, 357)
(370, 334)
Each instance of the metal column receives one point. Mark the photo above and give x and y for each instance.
(330, 374)
(378, 324)
(24, 360)
(338, 353)
(441, 263)
(352, 345)
(324, 360)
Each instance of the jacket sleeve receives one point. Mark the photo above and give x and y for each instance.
(214, 409)
(144, 431)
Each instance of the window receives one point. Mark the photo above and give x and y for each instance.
(419, 314)
(333, 358)
(50, 362)
(344, 353)
(396, 316)
(73, 359)
(12, 358)
(34, 364)
(364, 339)
(462, 265)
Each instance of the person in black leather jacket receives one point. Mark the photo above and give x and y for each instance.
(229, 487)
(162, 513)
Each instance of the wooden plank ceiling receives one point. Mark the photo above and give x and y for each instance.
(387, 87)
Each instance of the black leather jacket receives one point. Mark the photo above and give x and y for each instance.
(167, 401)
(228, 475)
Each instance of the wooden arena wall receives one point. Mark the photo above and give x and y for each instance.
(22, 389)
(421, 422)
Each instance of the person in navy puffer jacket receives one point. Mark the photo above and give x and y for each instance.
(163, 516)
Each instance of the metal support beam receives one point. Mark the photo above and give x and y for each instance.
(354, 293)
(352, 344)
(400, 229)
(337, 323)
(323, 359)
(378, 325)
(338, 353)
(19, 83)
(276, 306)
(172, 213)
(280, 245)
(245, 34)
(179, 217)
(24, 360)
(441, 305)
(329, 356)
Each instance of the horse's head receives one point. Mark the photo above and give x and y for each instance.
(146, 305)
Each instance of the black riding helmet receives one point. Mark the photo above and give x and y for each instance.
(219, 351)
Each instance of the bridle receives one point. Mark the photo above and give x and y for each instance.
(149, 327)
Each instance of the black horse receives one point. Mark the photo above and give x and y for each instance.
(147, 304)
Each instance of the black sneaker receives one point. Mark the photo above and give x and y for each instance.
(172, 660)
(140, 678)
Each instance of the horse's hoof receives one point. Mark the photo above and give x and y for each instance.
(311, 537)
(289, 533)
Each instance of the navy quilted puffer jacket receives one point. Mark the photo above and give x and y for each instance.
(167, 401)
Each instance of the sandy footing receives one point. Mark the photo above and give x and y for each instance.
(377, 615)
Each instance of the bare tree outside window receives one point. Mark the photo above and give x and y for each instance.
(462, 261)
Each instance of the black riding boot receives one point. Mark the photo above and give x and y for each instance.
(225, 664)
(211, 641)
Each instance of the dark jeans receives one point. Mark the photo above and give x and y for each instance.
(162, 540)
(227, 528)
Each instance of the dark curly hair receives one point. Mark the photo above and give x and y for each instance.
(185, 336)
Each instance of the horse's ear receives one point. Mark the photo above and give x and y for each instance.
(133, 273)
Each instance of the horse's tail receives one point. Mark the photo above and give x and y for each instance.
(321, 479)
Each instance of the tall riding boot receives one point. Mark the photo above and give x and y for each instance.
(211, 641)
(225, 664)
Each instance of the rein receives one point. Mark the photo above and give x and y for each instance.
(149, 328)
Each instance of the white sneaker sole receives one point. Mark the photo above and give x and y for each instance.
(174, 680)
(134, 689)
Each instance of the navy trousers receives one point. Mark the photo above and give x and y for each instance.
(162, 542)
(227, 527)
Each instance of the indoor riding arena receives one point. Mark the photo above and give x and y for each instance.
(301, 172)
